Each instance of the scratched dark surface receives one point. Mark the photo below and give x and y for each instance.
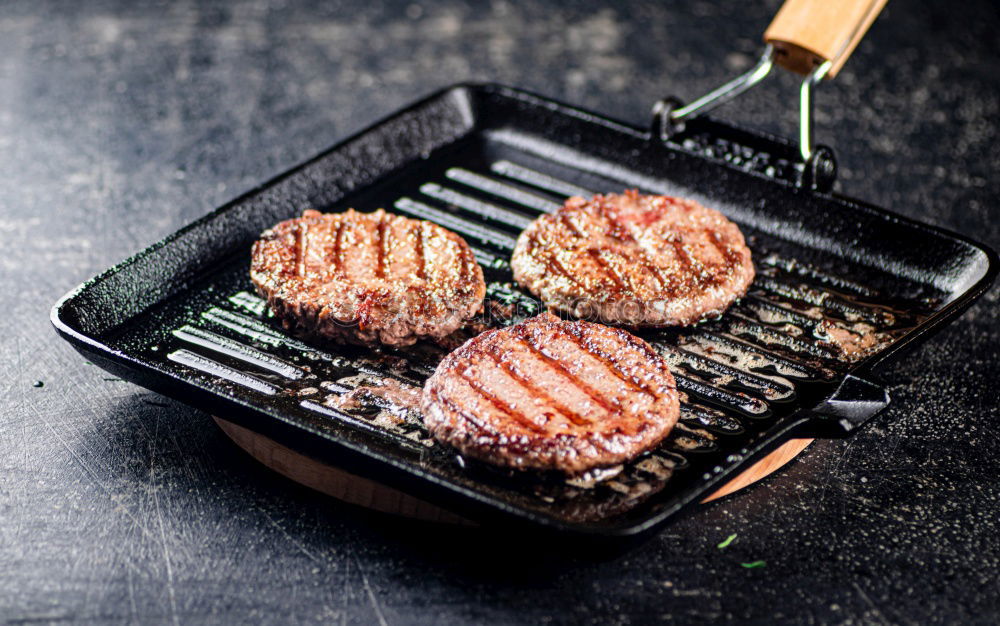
(121, 122)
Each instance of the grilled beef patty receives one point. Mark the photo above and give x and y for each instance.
(634, 259)
(366, 278)
(552, 395)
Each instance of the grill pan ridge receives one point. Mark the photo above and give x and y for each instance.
(484, 160)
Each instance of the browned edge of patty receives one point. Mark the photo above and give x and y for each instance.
(366, 278)
(615, 397)
(634, 260)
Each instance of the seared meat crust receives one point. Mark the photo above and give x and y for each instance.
(366, 278)
(636, 260)
(552, 395)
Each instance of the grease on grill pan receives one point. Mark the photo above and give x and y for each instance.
(736, 372)
(379, 388)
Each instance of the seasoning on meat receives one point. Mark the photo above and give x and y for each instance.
(366, 278)
(552, 395)
(636, 260)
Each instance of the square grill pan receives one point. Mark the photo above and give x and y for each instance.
(795, 358)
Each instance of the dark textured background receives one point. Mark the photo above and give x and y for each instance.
(120, 122)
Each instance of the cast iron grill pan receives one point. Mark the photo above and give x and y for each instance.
(483, 161)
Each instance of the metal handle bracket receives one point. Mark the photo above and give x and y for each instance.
(723, 94)
(818, 165)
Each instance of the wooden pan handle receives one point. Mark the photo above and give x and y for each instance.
(807, 33)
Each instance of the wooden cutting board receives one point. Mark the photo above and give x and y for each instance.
(361, 491)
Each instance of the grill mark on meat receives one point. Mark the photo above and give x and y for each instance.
(338, 260)
(655, 270)
(609, 361)
(552, 264)
(360, 278)
(688, 262)
(524, 336)
(595, 254)
(528, 384)
(471, 420)
(618, 226)
(609, 271)
(732, 254)
(381, 243)
(730, 257)
(462, 413)
(301, 243)
(683, 255)
(499, 403)
(468, 257)
(578, 422)
(464, 258)
(421, 251)
(566, 220)
(552, 261)
(678, 260)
